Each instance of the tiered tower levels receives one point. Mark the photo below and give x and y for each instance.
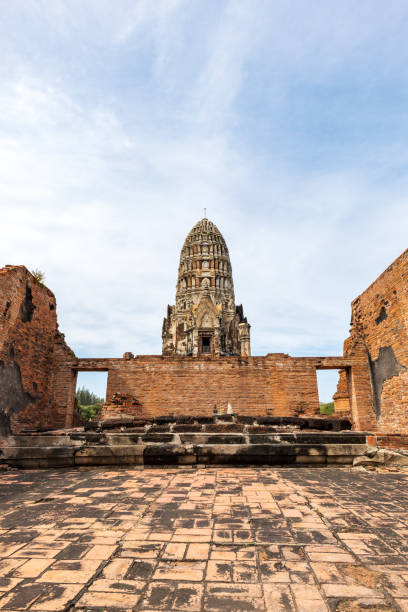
(204, 265)
(205, 319)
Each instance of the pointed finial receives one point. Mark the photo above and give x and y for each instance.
(205, 213)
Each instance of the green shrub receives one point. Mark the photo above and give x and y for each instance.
(86, 397)
(89, 404)
(327, 409)
(90, 412)
(39, 277)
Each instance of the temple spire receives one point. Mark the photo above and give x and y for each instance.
(204, 319)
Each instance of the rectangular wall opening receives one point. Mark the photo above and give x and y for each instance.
(90, 393)
(327, 385)
(206, 345)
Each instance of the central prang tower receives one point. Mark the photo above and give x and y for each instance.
(205, 320)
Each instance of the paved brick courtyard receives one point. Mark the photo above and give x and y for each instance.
(204, 539)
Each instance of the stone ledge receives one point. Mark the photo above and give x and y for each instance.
(173, 454)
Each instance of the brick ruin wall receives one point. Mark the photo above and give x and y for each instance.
(155, 385)
(38, 370)
(275, 384)
(380, 328)
(29, 346)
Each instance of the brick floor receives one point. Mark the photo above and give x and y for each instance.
(306, 540)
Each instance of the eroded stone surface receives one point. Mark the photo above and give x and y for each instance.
(204, 539)
(291, 441)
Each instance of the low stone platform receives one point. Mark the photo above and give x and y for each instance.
(204, 540)
(166, 441)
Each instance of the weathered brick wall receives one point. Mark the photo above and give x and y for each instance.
(121, 404)
(63, 386)
(253, 385)
(379, 325)
(155, 385)
(361, 397)
(392, 440)
(275, 384)
(28, 334)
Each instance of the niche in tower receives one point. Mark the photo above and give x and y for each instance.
(206, 345)
(205, 342)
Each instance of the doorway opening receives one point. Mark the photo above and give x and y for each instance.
(90, 393)
(206, 345)
(327, 386)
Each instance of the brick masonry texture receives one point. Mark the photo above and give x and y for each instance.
(30, 348)
(380, 328)
(276, 384)
(256, 385)
(313, 540)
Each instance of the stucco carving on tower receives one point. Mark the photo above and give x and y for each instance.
(204, 319)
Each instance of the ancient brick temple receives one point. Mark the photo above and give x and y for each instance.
(206, 357)
(205, 320)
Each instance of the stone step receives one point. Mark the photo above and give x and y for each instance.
(274, 438)
(237, 423)
(182, 454)
(194, 440)
(140, 436)
(42, 440)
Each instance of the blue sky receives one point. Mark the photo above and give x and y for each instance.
(120, 122)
